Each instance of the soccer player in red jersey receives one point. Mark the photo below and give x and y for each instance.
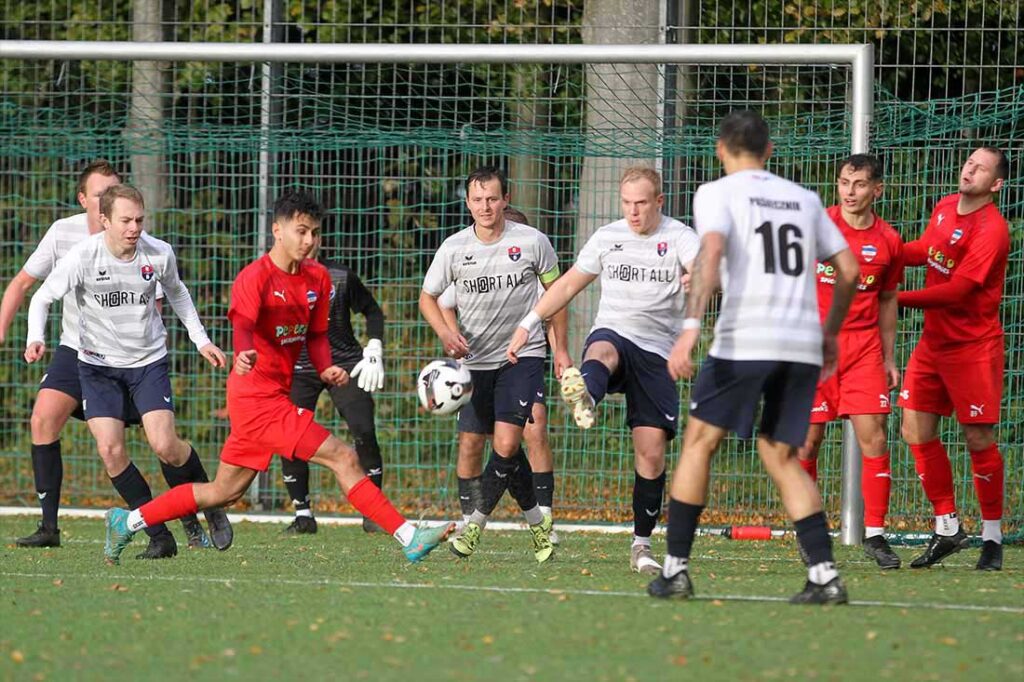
(958, 362)
(278, 303)
(859, 389)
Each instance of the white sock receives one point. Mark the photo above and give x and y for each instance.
(822, 573)
(947, 524)
(135, 521)
(479, 518)
(546, 511)
(637, 540)
(872, 531)
(304, 512)
(674, 565)
(404, 533)
(466, 518)
(534, 516)
(992, 530)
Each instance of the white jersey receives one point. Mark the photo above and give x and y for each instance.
(447, 299)
(642, 298)
(495, 287)
(119, 325)
(775, 232)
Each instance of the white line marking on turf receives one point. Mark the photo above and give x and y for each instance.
(327, 582)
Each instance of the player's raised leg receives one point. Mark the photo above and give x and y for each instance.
(584, 388)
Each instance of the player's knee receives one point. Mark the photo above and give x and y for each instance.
(113, 455)
(45, 426)
(168, 450)
(535, 437)
(910, 433)
(979, 437)
(874, 444)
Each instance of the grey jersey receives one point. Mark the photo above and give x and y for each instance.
(642, 298)
(775, 232)
(54, 245)
(119, 325)
(495, 287)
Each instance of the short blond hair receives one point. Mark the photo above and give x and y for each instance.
(115, 192)
(634, 173)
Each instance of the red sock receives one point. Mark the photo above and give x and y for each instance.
(177, 502)
(875, 483)
(811, 467)
(371, 503)
(936, 474)
(987, 466)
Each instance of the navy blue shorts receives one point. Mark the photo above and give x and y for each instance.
(112, 391)
(652, 397)
(727, 394)
(62, 375)
(505, 395)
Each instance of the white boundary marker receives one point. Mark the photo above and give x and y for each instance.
(327, 582)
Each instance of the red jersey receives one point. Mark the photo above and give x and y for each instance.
(975, 246)
(284, 308)
(879, 251)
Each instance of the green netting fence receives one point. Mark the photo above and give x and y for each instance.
(387, 147)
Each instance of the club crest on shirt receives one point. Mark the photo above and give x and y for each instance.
(662, 248)
(515, 253)
(147, 272)
(868, 252)
(311, 298)
(334, 292)
(955, 237)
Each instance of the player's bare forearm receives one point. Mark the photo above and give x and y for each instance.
(887, 316)
(847, 272)
(561, 291)
(558, 331)
(704, 275)
(450, 319)
(431, 312)
(14, 296)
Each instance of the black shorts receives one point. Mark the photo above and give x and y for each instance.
(727, 394)
(652, 397)
(111, 391)
(62, 375)
(353, 403)
(505, 395)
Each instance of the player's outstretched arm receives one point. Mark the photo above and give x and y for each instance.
(14, 295)
(454, 343)
(554, 300)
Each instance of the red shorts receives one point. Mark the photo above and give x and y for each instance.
(859, 385)
(966, 377)
(267, 425)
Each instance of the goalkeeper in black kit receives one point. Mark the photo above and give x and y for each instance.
(354, 400)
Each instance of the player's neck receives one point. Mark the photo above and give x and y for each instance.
(744, 162)
(283, 261)
(118, 251)
(489, 235)
(969, 203)
(858, 221)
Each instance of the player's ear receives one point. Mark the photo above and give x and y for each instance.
(879, 187)
(997, 185)
(768, 151)
(81, 199)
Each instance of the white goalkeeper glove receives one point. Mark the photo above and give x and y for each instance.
(370, 370)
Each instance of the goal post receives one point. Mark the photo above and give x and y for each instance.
(851, 94)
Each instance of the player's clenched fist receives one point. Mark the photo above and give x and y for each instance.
(334, 375)
(34, 351)
(519, 339)
(680, 361)
(214, 355)
(245, 361)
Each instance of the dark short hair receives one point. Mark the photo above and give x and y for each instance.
(298, 202)
(120, 191)
(872, 164)
(1002, 165)
(95, 167)
(745, 132)
(516, 216)
(486, 174)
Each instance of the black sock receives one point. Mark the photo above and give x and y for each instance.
(520, 483)
(544, 487)
(812, 534)
(296, 480)
(495, 480)
(48, 469)
(470, 494)
(369, 457)
(134, 490)
(682, 527)
(595, 376)
(647, 496)
(192, 471)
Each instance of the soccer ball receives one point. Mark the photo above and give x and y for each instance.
(444, 386)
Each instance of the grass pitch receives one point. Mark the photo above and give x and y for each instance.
(344, 605)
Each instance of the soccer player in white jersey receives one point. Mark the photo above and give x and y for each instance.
(60, 395)
(769, 343)
(640, 260)
(495, 265)
(122, 350)
(473, 435)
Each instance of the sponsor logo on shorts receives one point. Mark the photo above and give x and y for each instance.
(515, 253)
(44, 378)
(693, 405)
(883, 400)
(300, 411)
(311, 298)
(670, 417)
(904, 394)
(955, 237)
(868, 252)
(523, 403)
(978, 410)
(822, 407)
(167, 399)
(662, 248)
(147, 272)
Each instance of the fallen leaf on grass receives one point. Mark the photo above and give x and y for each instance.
(17, 656)
(585, 571)
(679, 660)
(255, 650)
(58, 582)
(871, 635)
(949, 641)
(717, 602)
(118, 587)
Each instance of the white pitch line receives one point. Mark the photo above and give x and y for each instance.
(327, 582)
